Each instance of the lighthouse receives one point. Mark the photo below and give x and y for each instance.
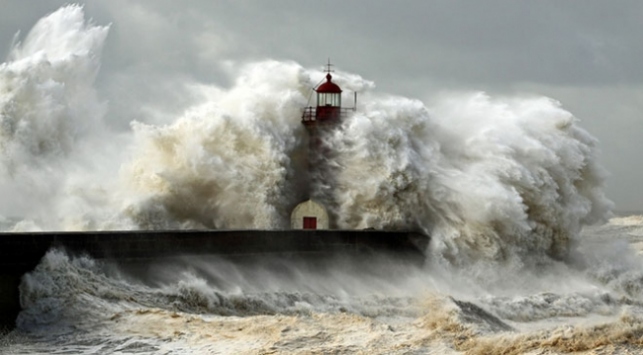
(320, 121)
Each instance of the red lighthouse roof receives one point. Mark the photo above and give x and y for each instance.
(329, 86)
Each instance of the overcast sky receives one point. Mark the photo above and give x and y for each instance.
(586, 54)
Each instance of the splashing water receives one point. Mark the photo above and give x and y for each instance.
(485, 176)
(488, 178)
(49, 117)
(504, 186)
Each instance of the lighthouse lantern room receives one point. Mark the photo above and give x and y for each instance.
(329, 103)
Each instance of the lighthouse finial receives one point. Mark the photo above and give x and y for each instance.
(328, 69)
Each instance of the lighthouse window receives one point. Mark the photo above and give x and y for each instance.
(324, 99)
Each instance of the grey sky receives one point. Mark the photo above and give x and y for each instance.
(585, 54)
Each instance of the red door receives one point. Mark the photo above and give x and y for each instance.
(310, 222)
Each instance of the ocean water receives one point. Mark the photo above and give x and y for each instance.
(588, 304)
(523, 256)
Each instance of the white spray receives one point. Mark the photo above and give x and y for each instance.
(48, 111)
(488, 178)
(482, 175)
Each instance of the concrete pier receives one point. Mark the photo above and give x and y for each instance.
(21, 252)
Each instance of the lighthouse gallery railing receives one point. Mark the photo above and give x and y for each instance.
(310, 113)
